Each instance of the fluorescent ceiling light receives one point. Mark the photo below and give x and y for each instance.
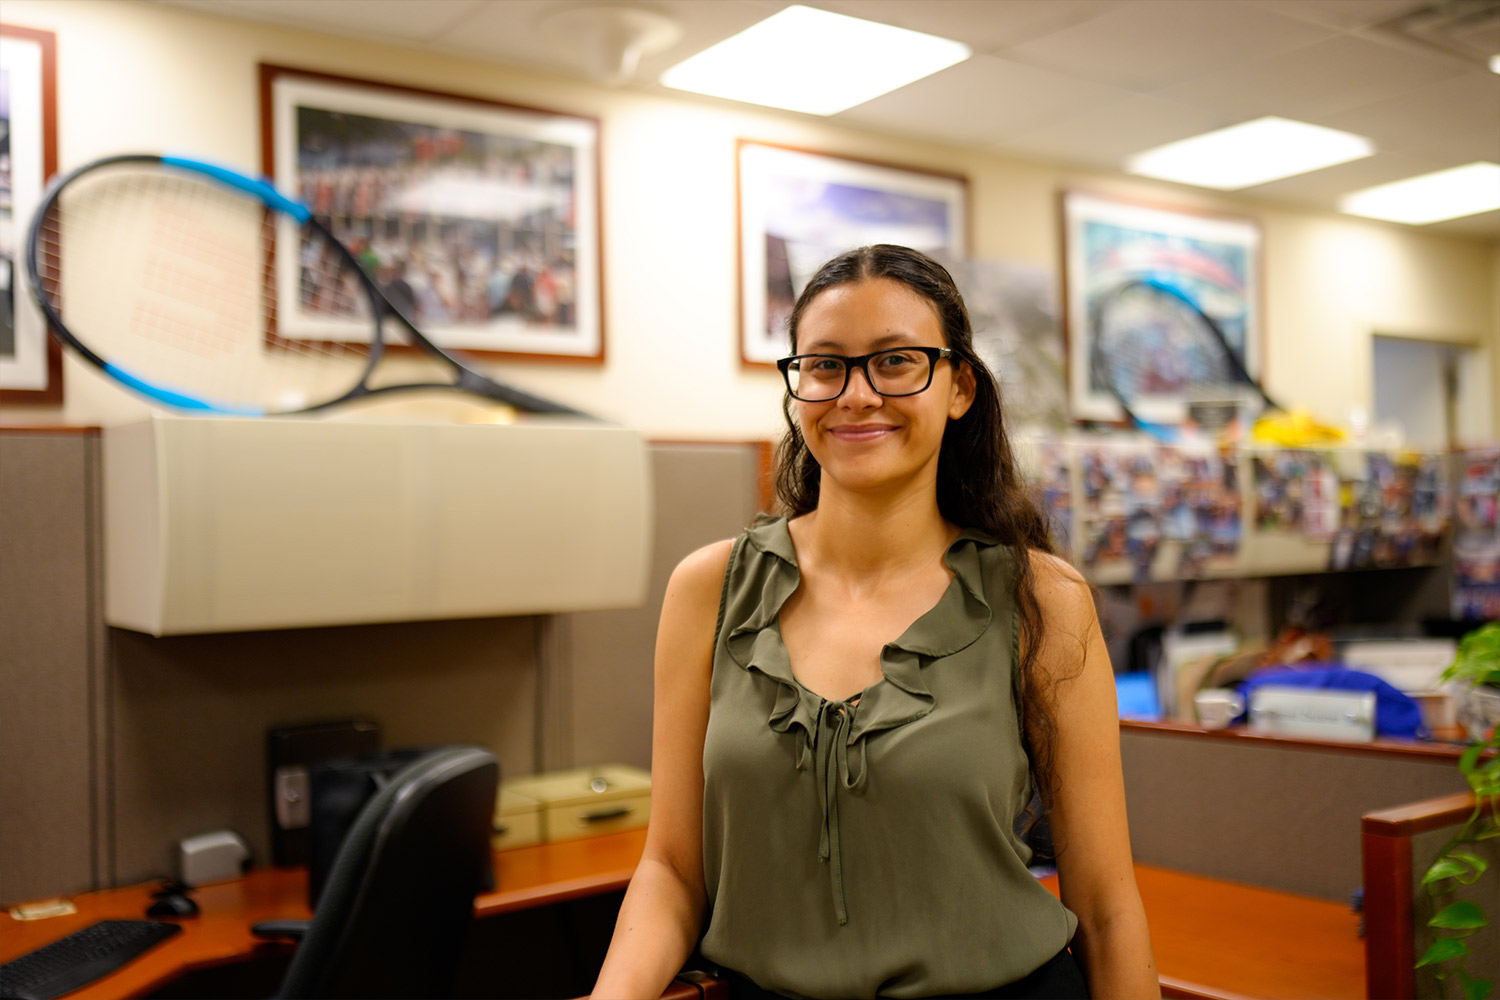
(815, 61)
(1495, 63)
(1250, 153)
(1447, 194)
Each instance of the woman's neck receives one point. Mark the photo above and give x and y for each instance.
(852, 535)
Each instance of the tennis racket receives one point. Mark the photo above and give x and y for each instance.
(1155, 349)
(161, 272)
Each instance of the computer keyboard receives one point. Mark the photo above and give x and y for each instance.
(80, 958)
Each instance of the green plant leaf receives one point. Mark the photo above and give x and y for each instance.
(1470, 758)
(1462, 915)
(1474, 988)
(1474, 861)
(1442, 950)
(1443, 868)
(1488, 832)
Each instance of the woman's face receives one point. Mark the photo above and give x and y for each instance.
(865, 441)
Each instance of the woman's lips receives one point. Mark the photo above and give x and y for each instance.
(861, 432)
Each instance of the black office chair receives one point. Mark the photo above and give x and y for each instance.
(394, 913)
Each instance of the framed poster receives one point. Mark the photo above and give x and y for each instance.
(30, 361)
(1213, 261)
(480, 219)
(798, 208)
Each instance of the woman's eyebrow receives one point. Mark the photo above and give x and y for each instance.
(825, 346)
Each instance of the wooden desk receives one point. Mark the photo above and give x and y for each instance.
(1212, 938)
(526, 877)
(1230, 941)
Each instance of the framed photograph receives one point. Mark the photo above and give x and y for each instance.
(480, 219)
(1214, 261)
(30, 361)
(797, 209)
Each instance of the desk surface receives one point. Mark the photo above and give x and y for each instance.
(220, 934)
(1212, 938)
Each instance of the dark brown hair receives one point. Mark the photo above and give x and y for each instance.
(978, 485)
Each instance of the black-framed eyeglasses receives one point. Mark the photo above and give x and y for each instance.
(896, 371)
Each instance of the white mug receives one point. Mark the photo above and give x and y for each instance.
(1218, 707)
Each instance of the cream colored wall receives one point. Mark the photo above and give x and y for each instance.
(137, 76)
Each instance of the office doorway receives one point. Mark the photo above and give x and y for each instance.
(1438, 392)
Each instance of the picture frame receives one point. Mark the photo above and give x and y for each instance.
(1214, 259)
(31, 369)
(480, 218)
(798, 208)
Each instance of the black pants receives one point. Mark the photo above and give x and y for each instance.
(1059, 978)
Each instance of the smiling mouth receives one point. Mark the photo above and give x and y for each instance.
(862, 432)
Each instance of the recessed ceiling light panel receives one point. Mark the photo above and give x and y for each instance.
(1253, 152)
(1446, 194)
(814, 61)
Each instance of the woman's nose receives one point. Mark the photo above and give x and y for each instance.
(858, 391)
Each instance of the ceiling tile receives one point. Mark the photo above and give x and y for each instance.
(983, 25)
(1345, 14)
(1458, 117)
(1327, 77)
(1105, 135)
(410, 21)
(981, 100)
(1152, 44)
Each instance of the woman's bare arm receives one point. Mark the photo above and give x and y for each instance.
(661, 917)
(1089, 830)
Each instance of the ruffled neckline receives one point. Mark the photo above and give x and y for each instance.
(956, 621)
(832, 732)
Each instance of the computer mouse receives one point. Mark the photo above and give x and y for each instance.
(172, 904)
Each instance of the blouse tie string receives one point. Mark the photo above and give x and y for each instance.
(835, 719)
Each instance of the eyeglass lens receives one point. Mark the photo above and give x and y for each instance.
(892, 373)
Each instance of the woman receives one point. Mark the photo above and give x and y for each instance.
(854, 705)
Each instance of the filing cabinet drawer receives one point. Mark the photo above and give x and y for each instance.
(518, 821)
(589, 818)
(587, 801)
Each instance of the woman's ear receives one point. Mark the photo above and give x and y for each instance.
(963, 391)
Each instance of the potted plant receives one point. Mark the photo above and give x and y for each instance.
(1477, 666)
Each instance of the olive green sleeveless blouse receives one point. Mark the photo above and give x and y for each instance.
(861, 850)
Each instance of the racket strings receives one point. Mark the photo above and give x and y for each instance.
(1152, 344)
(172, 280)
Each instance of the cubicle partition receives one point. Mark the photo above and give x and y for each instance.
(117, 744)
(1278, 813)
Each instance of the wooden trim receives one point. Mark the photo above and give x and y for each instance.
(1377, 748)
(46, 41)
(1419, 817)
(84, 431)
(1389, 947)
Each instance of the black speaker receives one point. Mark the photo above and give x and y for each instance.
(290, 752)
(339, 790)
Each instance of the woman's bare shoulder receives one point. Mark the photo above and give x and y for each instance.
(1063, 595)
(705, 566)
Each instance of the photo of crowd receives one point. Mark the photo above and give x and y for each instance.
(466, 232)
(1137, 498)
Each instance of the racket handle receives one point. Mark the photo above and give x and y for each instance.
(470, 381)
(258, 187)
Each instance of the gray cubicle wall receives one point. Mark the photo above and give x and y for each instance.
(1277, 814)
(114, 744)
(704, 492)
(52, 674)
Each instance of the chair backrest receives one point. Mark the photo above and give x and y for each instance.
(395, 911)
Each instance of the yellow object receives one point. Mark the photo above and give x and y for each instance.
(1295, 429)
(588, 800)
(518, 821)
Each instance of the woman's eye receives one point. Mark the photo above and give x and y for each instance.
(825, 366)
(897, 362)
